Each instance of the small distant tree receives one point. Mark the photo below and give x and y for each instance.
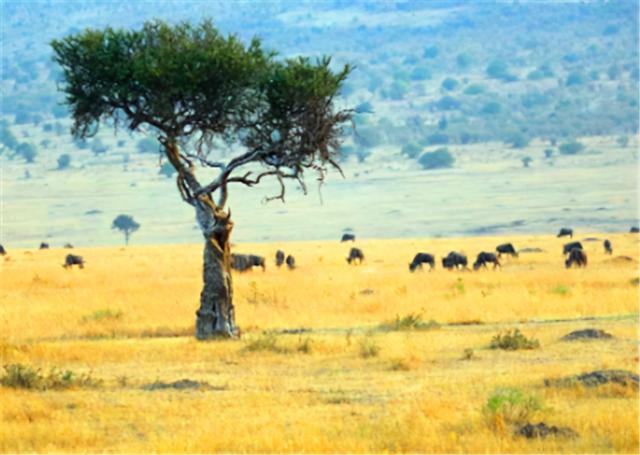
(167, 169)
(125, 224)
(97, 147)
(449, 84)
(548, 154)
(623, 141)
(64, 161)
(27, 151)
(526, 161)
(7, 138)
(148, 145)
(438, 159)
(411, 150)
(571, 148)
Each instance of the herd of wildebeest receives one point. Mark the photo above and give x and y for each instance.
(575, 256)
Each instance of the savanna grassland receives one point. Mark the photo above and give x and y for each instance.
(332, 358)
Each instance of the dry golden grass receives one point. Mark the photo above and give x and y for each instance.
(128, 319)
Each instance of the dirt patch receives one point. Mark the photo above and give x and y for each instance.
(183, 384)
(591, 239)
(542, 430)
(587, 334)
(597, 378)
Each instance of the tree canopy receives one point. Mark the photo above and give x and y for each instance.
(190, 85)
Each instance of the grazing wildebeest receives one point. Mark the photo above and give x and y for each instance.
(2, 250)
(244, 262)
(348, 238)
(455, 260)
(576, 257)
(68, 245)
(607, 247)
(484, 258)
(422, 258)
(279, 258)
(570, 246)
(72, 260)
(44, 246)
(634, 230)
(291, 262)
(506, 248)
(355, 253)
(565, 232)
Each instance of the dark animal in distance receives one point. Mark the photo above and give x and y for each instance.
(72, 260)
(607, 247)
(291, 262)
(348, 238)
(634, 230)
(68, 245)
(2, 250)
(422, 258)
(244, 262)
(570, 246)
(279, 258)
(44, 246)
(484, 258)
(565, 232)
(455, 260)
(506, 248)
(576, 257)
(355, 254)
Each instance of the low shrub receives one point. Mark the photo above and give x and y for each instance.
(512, 341)
(20, 376)
(511, 406)
(409, 322)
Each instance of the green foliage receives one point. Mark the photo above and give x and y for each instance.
(266, 342)
(512, 341)
(474, 89)
(27, 151)
(575, 78)
(126, 224)
(491, 108)
(561, 289)
(64, 161)
(421, 73)
(430, 52)
(438, 159)
(167, 169)
(449, 84)
(436, 139)
(518, 140)
(7, 138)
(411, 150)
(571, 148)
(97, 147)
(511, 406)
(148, 145)
(448, 103)
(408, 322)
(304, 345)
(526, 161)
(463, 61)
(20, 376)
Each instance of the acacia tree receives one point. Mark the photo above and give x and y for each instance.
(126, 224)
(193, 89)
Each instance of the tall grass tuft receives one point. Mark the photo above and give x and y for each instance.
(511, 406)
(20, 376)
(512, 341)
(409, 322)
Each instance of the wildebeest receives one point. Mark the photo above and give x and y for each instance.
(348, 238)
(279, 258)
(506, 248)
(607, 247)
(2, 250)
(44, 246)
(570, 246)
(576, 257)
(72, 260)
(422, 258)
(565, 232)
(634, 230)
(355, 253)
(244, 262)
(291, 262)
(455, 260)
(68, 245)
(484, 258)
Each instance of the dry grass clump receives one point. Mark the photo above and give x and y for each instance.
(512, 341)
(20, 376)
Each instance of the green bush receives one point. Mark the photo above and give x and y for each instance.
(64, 161)
(167, 169)
(511, 406)
(20, 376)
(436, 139)
(438, 159)
(512, 341)
(27, 151)
(148, 145)
(408, 322)
(474, 89)
(449, 84)
(411, 150)
(571, 148)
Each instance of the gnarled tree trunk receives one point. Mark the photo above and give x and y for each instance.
(216, 317)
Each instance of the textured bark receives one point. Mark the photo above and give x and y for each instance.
(216, 317)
